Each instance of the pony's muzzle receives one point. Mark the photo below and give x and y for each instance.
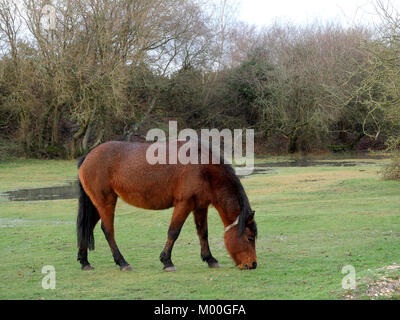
(248, 266)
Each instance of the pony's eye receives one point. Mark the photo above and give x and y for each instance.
(251, 239)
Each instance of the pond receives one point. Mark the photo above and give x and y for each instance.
(69, 191)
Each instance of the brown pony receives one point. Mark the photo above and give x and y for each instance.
(120, 169)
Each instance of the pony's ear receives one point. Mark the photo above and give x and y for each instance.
(244, 221)
(251, 216)
(252, 223)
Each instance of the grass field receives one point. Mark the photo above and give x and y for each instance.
(312, 221)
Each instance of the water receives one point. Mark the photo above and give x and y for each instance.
(70, 191)
(310, 163)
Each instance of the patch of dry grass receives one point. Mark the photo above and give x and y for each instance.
(305, 182)
(382, 283)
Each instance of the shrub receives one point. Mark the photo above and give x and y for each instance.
(392, 171)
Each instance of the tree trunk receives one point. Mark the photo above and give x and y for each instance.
(293, 146)
(356, 141)
(85, 141)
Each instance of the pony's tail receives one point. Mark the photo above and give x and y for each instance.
(87, 217)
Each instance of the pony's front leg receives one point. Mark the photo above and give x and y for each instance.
(200, 219)
(179, 216)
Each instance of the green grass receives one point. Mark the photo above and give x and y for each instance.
(312, 222)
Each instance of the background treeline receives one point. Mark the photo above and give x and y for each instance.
(114, 69)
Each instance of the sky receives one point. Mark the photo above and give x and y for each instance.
(300, 12)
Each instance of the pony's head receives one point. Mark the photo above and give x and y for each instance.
(240, 241)
(232, 202)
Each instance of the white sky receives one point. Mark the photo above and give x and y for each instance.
(347, 12)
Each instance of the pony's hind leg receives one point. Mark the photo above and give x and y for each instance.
(84, 246)
(83, 254)
(200, 219)
(87, 219)
(83, 258)
(181, 212)
(107, 213)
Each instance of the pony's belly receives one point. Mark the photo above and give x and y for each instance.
(145, 201)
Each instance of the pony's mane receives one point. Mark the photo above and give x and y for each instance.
(245, 209)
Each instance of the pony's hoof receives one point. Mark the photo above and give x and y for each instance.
(126, 268)
(214, 265)
(169, 269)
(87, 267)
